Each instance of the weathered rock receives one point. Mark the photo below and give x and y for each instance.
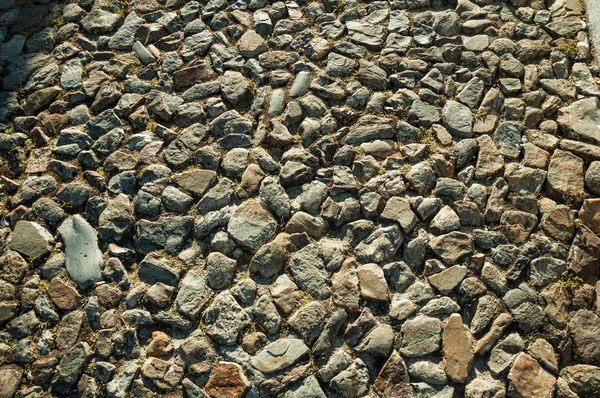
(251, 225)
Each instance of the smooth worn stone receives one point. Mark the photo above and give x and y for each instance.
(280, 355)
(83, 257)
(458, 119)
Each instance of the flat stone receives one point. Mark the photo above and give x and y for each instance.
(565, 175)
(584, 327)
(63, 296)
(452, 247)
(529, 379)
(581, 120)
(280, 355)
(83, 257)
(448, 279)
(227, 379)
(193, 295)
(458, 119)
(398, 209)
(225, 319)
(458, 349)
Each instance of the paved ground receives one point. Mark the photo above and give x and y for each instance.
(299, 199)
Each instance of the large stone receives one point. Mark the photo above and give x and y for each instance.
(124, 38)
(393, 380)
(398, 209)
(529, 379)
(31, 240)
(100, 21)
(584, 327)
(225, 319)
(565, 175)
(582, 379)
(83, 257)
(71, 367)
(280, 355)
(421, 336)
(452, 247)
(251, 225)
(366, 34)
(309, 272)
(458, 349)
(227, 380)
(458, 119)
(581, 120)
(193, 295)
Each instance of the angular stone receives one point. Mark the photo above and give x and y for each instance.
(421, 336)
(565, 175)
(31, 240)
(584, 327)
(398, 209)
(251, 225)
(309, 272)
(227, 380)
(448, 279)
(193, 295)
(225, 319)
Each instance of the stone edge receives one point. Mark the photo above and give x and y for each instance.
(592, 8)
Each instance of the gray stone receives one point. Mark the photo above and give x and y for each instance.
(31, 240)
(309, 272)
(83, 257)
(225, 319)
(193, 295)
(124, 38)
(280, 355)
(458, 119)
(251, 225)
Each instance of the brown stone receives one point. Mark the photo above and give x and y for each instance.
(529, 380)
(517, 225)
(489, 340)
(458, 349)
(489, 162)
(64, 296)
(227, 381)
(565, 175)
(197, 181)
(344, 285)
(590, 214)
(251, 44)
(160, 346)
(584, 328)
(559, 223)
(187, 77)
(372, 283)
(251, 179)
(253, 342)
(393, 380)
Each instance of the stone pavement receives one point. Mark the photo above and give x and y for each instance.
(299, 199)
